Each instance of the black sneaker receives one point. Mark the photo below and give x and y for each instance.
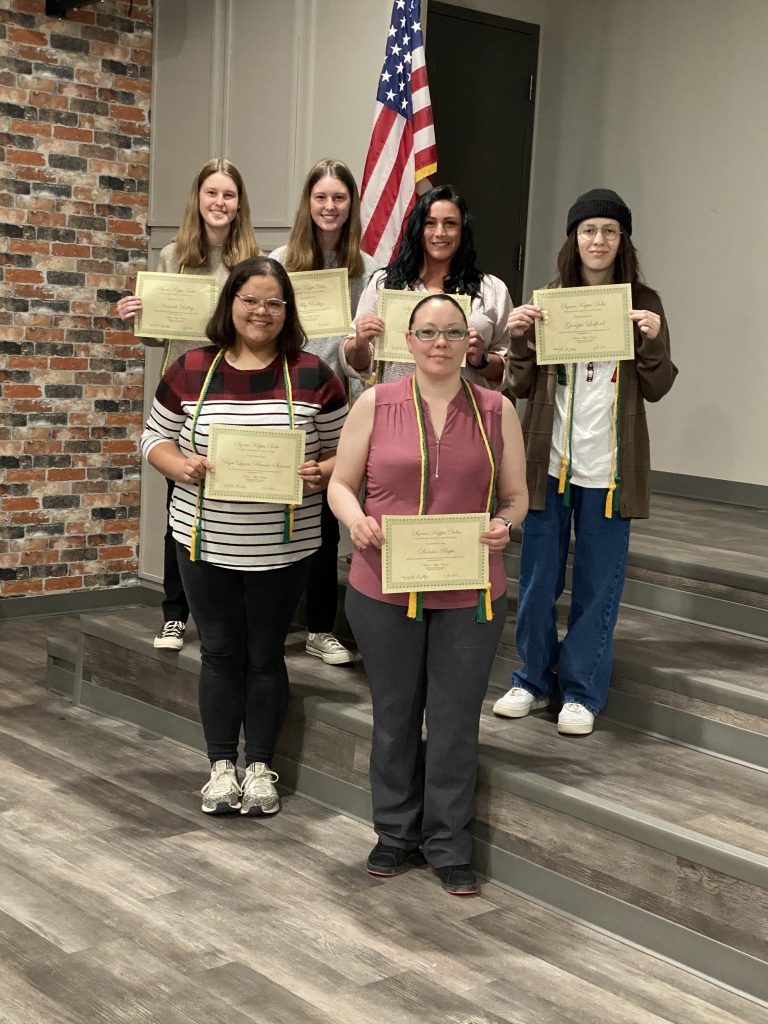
(171, 638)
(458, 879)
(386, 861)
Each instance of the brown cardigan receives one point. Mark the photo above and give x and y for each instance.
(648, 378)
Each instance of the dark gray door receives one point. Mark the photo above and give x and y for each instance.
(482, 77)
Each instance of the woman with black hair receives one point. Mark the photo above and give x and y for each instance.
(245, 564)
(437, 254)
(588, 462)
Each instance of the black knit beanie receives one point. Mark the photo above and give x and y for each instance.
(599, 202)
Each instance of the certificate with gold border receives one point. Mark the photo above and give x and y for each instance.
(431, 553)
(583, 325)
(395, 309)
(322, 299)
(175, 305)
(255, 464)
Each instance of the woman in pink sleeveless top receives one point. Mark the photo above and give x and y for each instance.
(428, 444)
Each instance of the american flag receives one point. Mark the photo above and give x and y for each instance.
(402, 149)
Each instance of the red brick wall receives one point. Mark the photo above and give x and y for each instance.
(74, 132)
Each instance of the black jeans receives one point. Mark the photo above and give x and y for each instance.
(242, 619)
(323, 582)
(175, 606)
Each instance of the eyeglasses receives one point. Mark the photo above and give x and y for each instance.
(590, 231)
(430, 334)
(274, 307)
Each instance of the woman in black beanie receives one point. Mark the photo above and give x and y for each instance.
(588, 464)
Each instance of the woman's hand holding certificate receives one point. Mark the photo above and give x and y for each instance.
(395, 309)
(322, 300)
(256, 464)
(174, 305)
(430, 553)
(590, 324)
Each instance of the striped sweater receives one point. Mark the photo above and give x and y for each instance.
(246, 535)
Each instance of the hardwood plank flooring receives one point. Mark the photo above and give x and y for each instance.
(121, 902)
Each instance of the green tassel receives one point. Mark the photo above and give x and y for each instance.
(616, 495)
(480, 613)
(197, 543)
(419, 606)
(562, 376)
(567, 492)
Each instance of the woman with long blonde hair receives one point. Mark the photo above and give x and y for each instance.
(215, 234)
(325, 234)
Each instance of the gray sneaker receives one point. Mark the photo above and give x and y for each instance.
(222, 793)
(328, 648)
(259, 793)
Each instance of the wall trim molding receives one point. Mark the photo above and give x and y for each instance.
(731, 492)
(79, 601)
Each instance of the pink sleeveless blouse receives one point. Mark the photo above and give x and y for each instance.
(459, 474)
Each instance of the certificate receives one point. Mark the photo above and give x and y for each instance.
(434, 553)
(255, 464)
(322, 299)
(175, 305)
(584, 324)
(395, 309)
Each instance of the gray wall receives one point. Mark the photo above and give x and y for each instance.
(662, 102)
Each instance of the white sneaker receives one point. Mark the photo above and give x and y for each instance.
(172, 637)
(259, 793)
(517, 703)
(575, 720)
(327, 647)
(222, 793)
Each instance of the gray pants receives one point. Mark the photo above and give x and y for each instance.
(436, 671)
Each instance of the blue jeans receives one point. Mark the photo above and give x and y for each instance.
(581, 665)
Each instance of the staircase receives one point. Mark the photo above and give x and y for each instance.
(655, 828)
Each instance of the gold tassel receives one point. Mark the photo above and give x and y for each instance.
(609, 501)
(488, 607)
(412, 604)
(193, 544)
(563, 472)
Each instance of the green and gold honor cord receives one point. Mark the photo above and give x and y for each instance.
(484, 612)
(289, 509)
(612, 498)
(196, 539)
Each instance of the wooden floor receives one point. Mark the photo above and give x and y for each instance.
(121, 902)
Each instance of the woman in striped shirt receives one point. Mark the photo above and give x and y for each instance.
(242, 574)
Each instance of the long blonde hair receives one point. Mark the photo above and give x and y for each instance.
(192, 241)
(302, 251)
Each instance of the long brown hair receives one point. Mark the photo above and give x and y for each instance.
(302, 251)
(626, 268)
(192, 243)
(221, 327)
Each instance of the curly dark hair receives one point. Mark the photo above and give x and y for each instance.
(221, 327)
(464, 275)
